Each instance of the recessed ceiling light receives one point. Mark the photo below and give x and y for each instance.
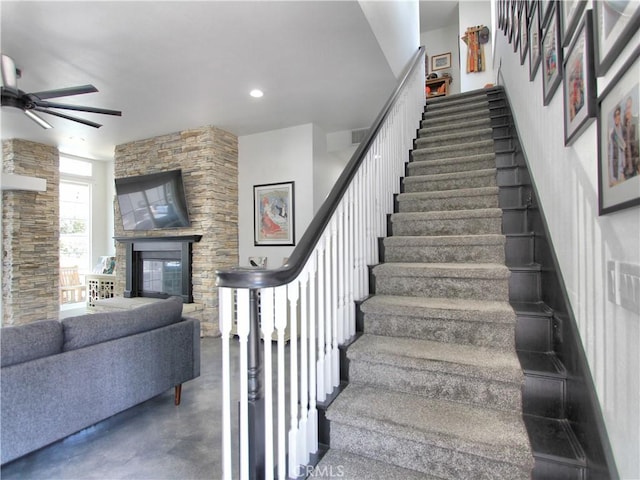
(256, 93)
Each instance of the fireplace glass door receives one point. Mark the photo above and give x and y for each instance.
(161, 277)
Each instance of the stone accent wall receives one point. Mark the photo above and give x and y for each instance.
(30, 235)
(208, 158)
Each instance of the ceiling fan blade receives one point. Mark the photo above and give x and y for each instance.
(65, 92)
(78, 108)
(68, 117)
(9, 73)
(38, 119)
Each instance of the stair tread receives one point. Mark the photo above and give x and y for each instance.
(495, 434)
(457, 146)
(468, 360)
(351, 466)
(422, 132)
(451, 160)
(532, 308)
(500, 312)
(485, 172)
(462, 192)
(550, 438)
(444, 270)
(447, 214)
(468, 132)
(463, 240)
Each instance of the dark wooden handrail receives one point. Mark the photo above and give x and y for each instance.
(252, 278)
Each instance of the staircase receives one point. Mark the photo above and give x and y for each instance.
(434, 381)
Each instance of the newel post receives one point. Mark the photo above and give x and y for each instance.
(256, 396)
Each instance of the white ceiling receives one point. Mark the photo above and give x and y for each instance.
(171, 66)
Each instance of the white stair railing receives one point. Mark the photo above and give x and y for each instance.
(307, 306)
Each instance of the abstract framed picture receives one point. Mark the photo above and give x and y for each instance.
(618, 134)
(534, 41)
(441, 61)
(579, 83)
(551, 56)
(616, 21)
(570, 16)
(273, 214)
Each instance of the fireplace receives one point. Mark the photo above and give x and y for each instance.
(159, 267)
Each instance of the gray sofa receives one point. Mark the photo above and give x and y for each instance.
(59, 377)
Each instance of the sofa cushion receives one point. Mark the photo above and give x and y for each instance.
(23, 343)
(90, 329)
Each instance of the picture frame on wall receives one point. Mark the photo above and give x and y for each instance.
(570, 14)
(615, 24)
(524, 33)
(545, 10)
(551, 56)
(618, 134)
(534, 41)
(579, 83)
(441, 61)
(516, 25)
(273, 214)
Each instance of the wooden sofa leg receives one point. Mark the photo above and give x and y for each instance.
(178, 391)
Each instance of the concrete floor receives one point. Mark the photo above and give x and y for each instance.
(151, 441)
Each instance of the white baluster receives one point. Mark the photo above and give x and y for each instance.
(303, 453)
(281, 325)
(225, 313)
(328, 323)
(267, 323)
(321, 393)
(312, 430)
(335, 354)
(243, 333)
(292, 294)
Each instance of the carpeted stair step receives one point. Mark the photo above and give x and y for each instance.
(454, 118)
(475, 281)
(466, 322)
(447, 439)
(348, 466)
(444, 249)
(447, 222)
(456, 150)
(460, 97)
(466, 198)
(451, 165)
(442, 110)
(454, 138)
(463, 124)
(450, 181)
(457, 373)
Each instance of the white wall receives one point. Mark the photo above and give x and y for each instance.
(329, 163)
(567, 182)
(396, 26)
(272, 157)
(473, 13)
(444, 40)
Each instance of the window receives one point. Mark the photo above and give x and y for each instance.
(75, 225)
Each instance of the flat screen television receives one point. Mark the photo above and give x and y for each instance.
(153, 201)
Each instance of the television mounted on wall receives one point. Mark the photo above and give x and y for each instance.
(153, 201)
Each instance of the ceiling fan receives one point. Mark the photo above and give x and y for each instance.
(30, 103)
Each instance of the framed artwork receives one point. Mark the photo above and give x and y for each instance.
(534, 41)
(551, 56)
(618, 163)
(615, 23)
(524, 33)
(517, 13)
(273, 214)
(545, 10)
(579, 83)
(441, 61)
(570, 16)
